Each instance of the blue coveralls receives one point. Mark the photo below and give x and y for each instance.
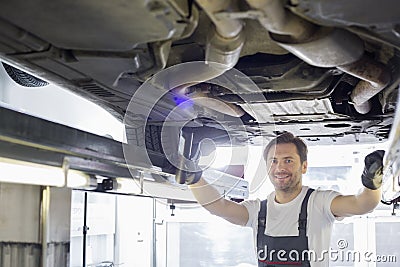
(273, 244)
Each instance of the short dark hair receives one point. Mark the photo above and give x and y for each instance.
(288, 138)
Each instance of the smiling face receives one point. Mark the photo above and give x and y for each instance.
(285, 168)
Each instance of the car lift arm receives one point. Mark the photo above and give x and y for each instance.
(27, 138)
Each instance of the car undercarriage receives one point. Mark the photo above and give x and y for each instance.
(328, 71)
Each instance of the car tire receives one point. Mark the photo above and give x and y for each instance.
(150, 137)
(22, 78)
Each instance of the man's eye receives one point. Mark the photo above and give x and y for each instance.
(274, 161)
(289, 161)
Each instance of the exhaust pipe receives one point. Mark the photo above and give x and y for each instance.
(226, 39)
(340, 48)
(375, 77)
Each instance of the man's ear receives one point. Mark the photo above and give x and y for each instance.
(304, 167)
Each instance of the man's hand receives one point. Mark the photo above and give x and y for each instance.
(372, 175)
(187, 170)
(368, 199)
(186, 177)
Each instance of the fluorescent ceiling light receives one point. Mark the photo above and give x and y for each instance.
(21, 172)
(76, 179)
(14, 171)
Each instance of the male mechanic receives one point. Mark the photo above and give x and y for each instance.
(293, 224)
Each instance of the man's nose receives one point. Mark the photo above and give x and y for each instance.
(280, 165)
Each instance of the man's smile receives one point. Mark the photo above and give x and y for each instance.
(281, 176)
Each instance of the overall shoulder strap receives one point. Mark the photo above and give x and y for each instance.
(261, 237)
(303, 214)
(262, 214)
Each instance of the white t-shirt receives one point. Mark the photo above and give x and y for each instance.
(282, 220)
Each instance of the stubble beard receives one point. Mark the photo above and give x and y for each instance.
(291, 186)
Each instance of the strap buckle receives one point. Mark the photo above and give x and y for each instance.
(302, 224)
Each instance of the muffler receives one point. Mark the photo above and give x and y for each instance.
(324, 47)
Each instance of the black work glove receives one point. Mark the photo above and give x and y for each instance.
(186, 177)
(372, 175)
(187, 172)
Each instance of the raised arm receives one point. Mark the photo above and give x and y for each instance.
(369, 198)
(210, 199)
